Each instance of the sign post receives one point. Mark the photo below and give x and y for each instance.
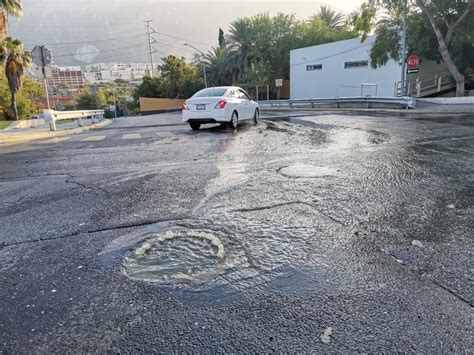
(278, 84)
(43, 57)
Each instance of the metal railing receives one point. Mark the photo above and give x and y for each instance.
(429, 85)
(363, 102)
(52, 116)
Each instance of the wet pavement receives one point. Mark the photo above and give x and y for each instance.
(317, 234)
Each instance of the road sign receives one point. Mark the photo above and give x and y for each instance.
(42, 56)
(413, 61)
(279, 83)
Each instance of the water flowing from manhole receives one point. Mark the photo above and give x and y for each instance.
(175, 256)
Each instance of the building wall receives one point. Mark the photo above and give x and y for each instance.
(71, 76)
(153, 105)
(333, 79)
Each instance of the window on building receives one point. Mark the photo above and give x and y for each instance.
(358, 64)
(314, 67)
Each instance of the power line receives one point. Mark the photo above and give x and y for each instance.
(95, 41)
(82, 24)
(182, 39)
(141, 55)
(29, 39)
(101, 51)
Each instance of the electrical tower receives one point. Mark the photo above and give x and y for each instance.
(151, 41)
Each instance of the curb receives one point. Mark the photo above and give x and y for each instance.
(51, 134)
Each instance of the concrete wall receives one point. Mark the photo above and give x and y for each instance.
(152, 105)
(27, 124)
(333, 80)
(467, 100)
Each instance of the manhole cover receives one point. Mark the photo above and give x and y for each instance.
(175, 256)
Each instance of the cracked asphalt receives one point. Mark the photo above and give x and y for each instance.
(342, 233)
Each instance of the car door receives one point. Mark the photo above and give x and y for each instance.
(245, 104)
(234, 101)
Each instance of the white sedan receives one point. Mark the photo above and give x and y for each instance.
(227, 104)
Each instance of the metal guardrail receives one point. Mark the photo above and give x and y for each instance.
(52, 116)
(431, 84)
(366, 102)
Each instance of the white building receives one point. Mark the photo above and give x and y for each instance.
(340, 69)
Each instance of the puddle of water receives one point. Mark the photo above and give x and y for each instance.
(175, 256)
(215, 262)
(301, 170)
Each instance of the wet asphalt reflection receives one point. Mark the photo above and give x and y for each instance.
(294, 203)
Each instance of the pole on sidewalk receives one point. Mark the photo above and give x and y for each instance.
(404, 49)
(43, 68)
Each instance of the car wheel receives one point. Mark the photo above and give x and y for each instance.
(256, 116)
(234, 121)
(195, 125)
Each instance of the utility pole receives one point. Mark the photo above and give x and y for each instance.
(404, 49)
(149, 33)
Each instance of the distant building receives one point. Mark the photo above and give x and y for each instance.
(106, 73)
(72, 76)
(342, 69)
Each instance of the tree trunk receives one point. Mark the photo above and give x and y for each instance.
(452, 68)
(444, 51)
(14, 107)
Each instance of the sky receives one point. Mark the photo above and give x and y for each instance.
(81, 32)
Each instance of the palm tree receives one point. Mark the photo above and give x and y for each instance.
(332, 18)
(218, 62)
(17, 61)
(8, 7)
(241, 44)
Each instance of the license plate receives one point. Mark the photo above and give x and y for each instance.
(200, 107)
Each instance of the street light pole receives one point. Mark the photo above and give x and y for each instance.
(404, 49)
(205, 75)
(200, 59)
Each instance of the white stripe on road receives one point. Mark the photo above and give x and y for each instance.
(55, 140)
(131, 136)
(93, 139)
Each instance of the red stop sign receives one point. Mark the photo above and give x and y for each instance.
(413, 62)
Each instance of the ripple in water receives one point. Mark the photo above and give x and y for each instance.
(175, 256)
(301, 170)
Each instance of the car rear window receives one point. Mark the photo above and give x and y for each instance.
(213, 92)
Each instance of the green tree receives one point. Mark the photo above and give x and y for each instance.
(330, 17)
(189, 84)
(17, 61)
(173, 70)
(29, 99)
(240, 38)
(8, 7)
(88, 100)
(440, 24)
(218, 62)
(221, 38)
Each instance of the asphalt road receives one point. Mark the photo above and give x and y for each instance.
(330, 233)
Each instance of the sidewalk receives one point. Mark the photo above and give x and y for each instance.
(28, 134)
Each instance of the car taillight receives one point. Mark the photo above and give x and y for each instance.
(184, 106)
(221, 104)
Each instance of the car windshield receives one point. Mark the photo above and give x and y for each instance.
(213, 92)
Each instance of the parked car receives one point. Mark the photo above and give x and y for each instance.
(226, 104)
